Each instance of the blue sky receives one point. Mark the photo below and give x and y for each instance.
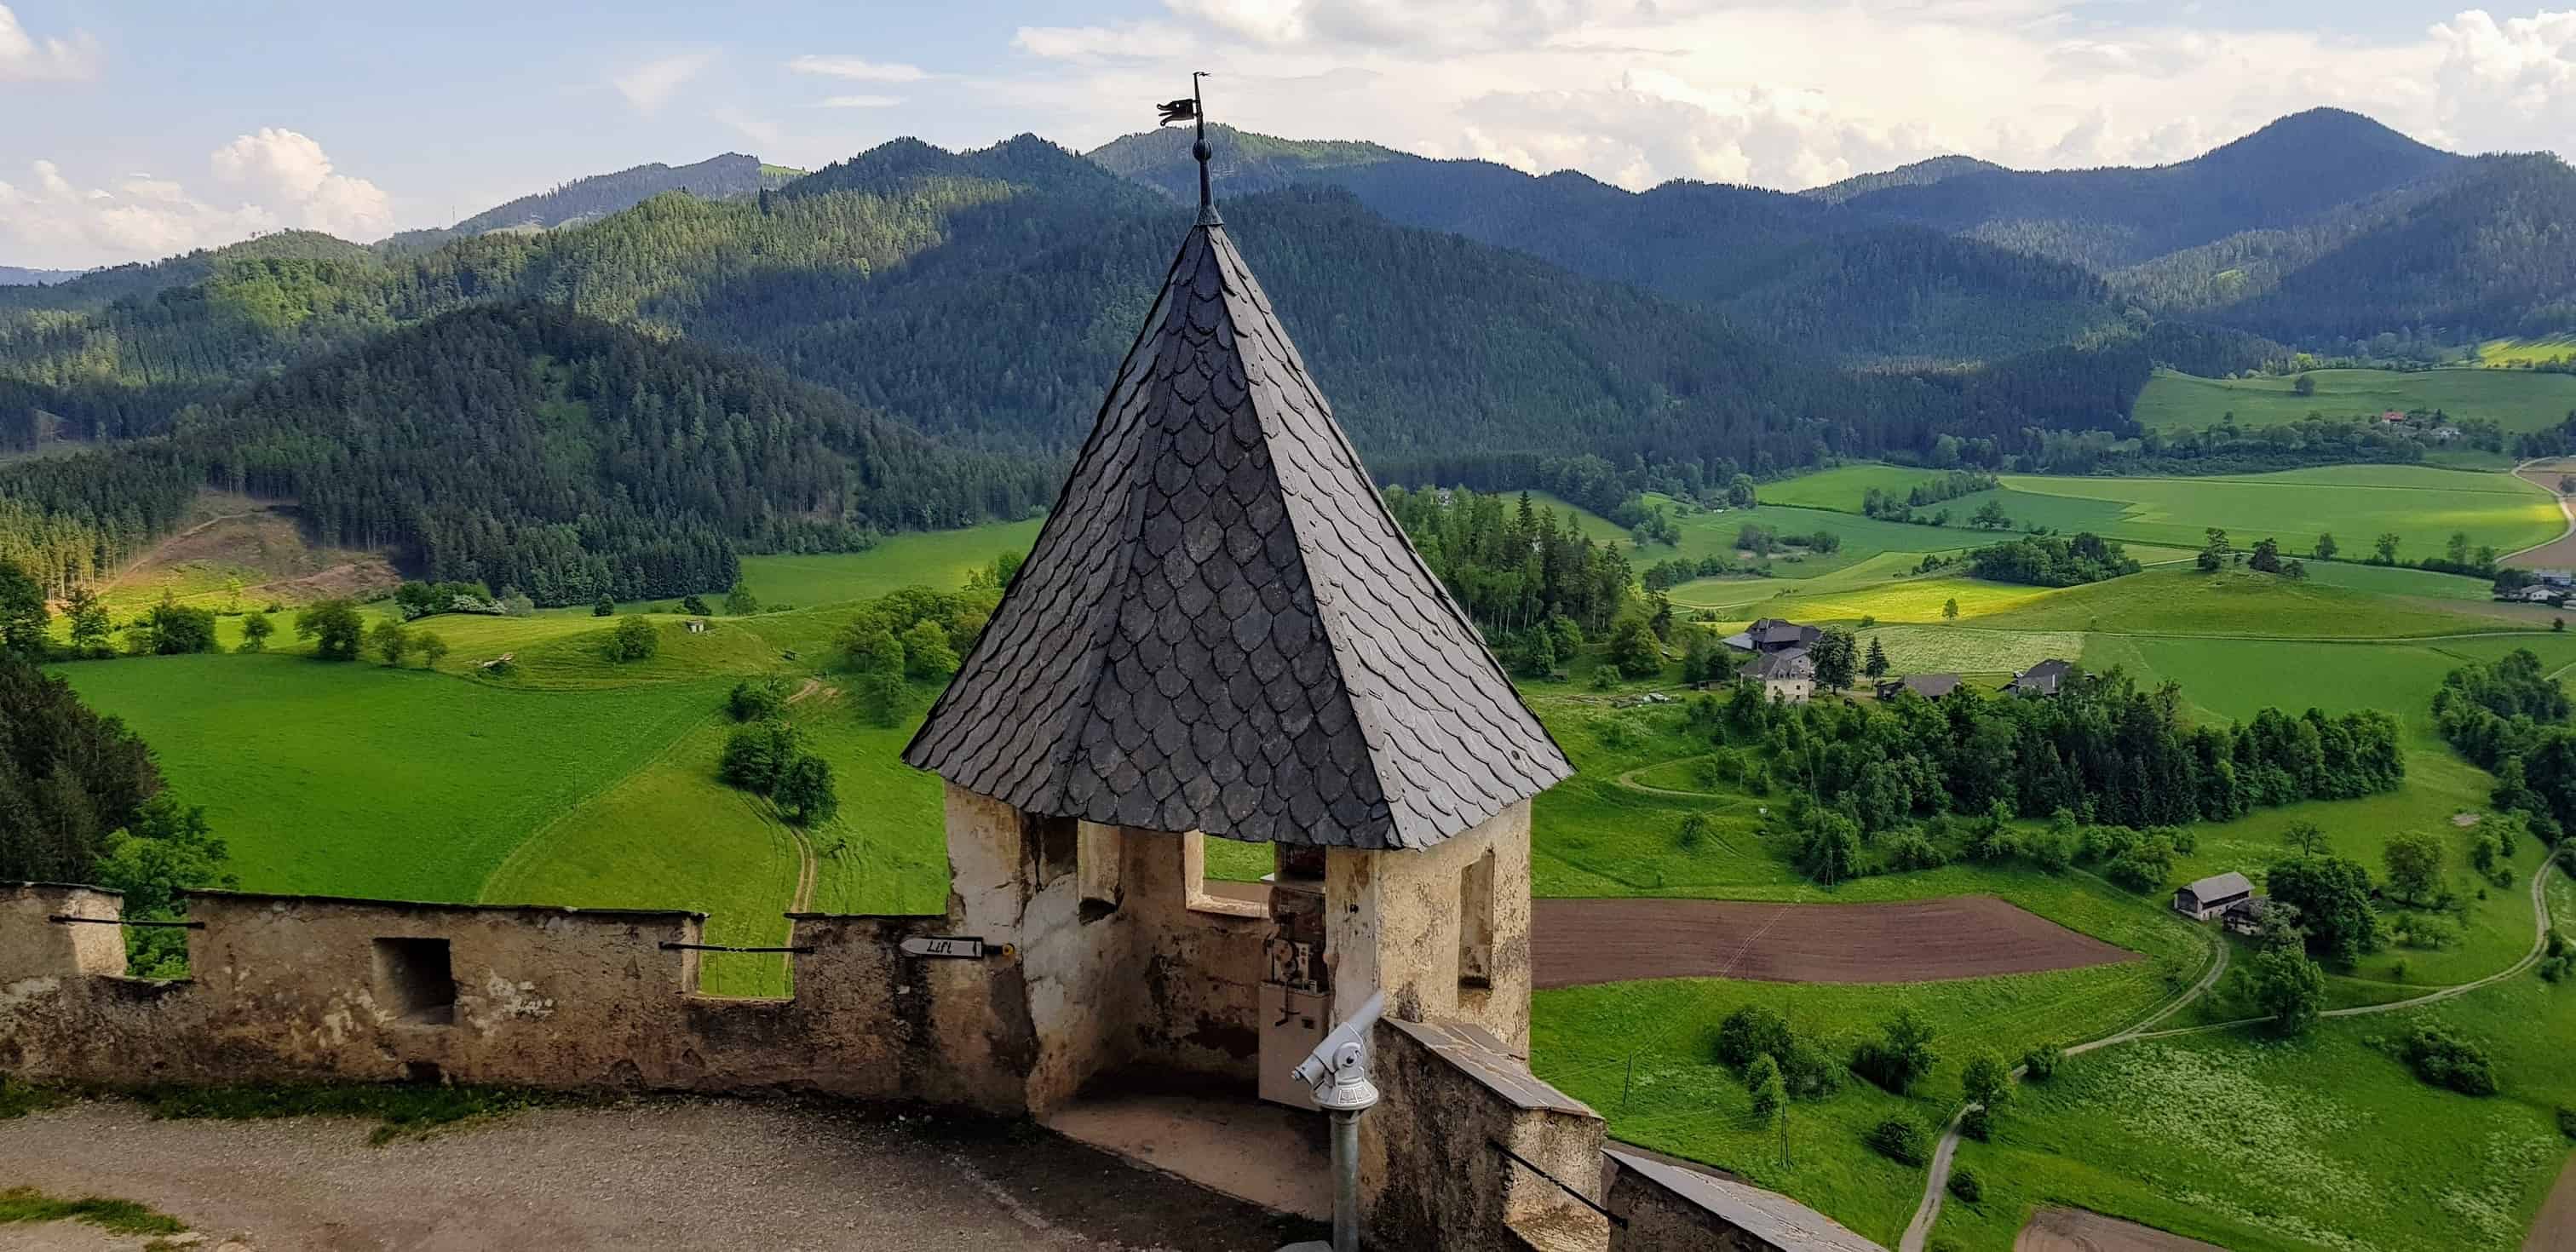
(142, 128)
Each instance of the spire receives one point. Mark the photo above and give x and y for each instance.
(1201, 152)
(1221, 628)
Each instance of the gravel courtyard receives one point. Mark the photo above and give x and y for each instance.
(680, 1174)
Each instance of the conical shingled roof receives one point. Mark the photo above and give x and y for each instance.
(1221, 628)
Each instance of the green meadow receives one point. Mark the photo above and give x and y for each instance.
(2505, 353)
(2262, 1144)
(2515, 399)
(569, 778)
(355, 779)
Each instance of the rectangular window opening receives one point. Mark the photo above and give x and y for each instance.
(1476, 922)
(1054, 846)
(414, 981)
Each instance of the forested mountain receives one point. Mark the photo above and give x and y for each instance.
(2492, 252)
(14, 276)
(729, 176)
(143, 280)
(2294, 170)
(1916, 174)
(526, 447)
(1853, 286)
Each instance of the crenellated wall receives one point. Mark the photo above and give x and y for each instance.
(291, 987)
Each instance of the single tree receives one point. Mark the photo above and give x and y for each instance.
(2387, 548)
(739, 602)
(2305, 836)
(232, 593)
(1986, 1083)
(2414, 861)
(694, 605)
(2213, 554)
(1762, 1080)
(1835, 658)
(2332, 895)
(165, 850)
(1876, 666)
(2266, 557)
(1634, 650)
(175, 629)
(256, 628)
(390, 641)
(335, 627)
(1990, 516)
(92, 628)
(633, 640)
(2325, 549)
(805, 791)
(1950, 609)
(603, 607)
(2304, 385)
(1831, 847)
(433, 649)
(2457, 550)
(2288, 987)
(23, 615)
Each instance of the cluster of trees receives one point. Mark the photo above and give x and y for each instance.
(2511, 718)
(2101, 749)
(1887, 506)
(765, 755)
(416, 600)
(81, 801)
(912, 635)
(1762, 541)
(2053, 561)
(1514, 566)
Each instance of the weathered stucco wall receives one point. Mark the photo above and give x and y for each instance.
(1430, 1176)
(1396, 922)
(293, 987)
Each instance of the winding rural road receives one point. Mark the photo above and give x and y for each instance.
(1937, 1182)
(2566, 508)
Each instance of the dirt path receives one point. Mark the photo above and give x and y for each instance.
(1574, 942)
(700, 1175)
(2074, 1230)
(807, 866)
(1629, 780)
(1938, 1180)
(2560, 551)
(2555, 1229)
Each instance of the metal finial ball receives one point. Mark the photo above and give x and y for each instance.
(1201, 151)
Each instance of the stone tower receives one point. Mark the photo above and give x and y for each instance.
(1221, 631)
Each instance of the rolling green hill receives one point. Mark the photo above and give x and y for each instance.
(2518, 400)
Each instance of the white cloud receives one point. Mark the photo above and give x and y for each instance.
(762, 131)
(858, 102)
(290, 172)
(24, 58)
(647, 85)
(275, 179)
(1786, 94)
(1133, 40)
(857, 68)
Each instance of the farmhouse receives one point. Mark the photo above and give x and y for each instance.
(1774, 634)
(1928, 686)
(2212, 896)
(2042, 679)
(1788, 676)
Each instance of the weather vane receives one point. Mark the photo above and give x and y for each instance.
(1191, 110)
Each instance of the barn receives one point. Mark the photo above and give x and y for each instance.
(2212, 896)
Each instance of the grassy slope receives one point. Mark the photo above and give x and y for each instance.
(939, 559)
(2499, 353)
(2423, 506)
(2518, 400)
(2326, 1140)
(352, 779)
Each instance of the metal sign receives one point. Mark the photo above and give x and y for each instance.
(944, 945)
